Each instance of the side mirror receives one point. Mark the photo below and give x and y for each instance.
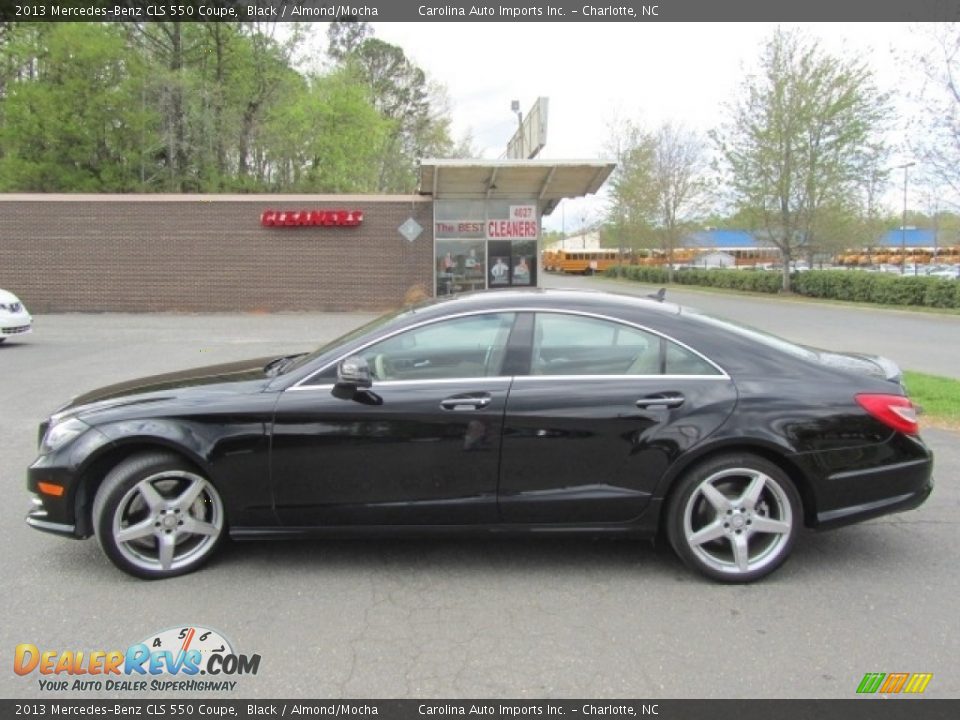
(353, 375)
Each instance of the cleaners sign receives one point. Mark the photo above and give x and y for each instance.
(522, 225)
(311, 218)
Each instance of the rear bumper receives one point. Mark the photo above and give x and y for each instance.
(903, 480)
(858, 513)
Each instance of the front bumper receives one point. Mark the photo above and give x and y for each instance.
(13, 324)
(38, 519)
(55, 514)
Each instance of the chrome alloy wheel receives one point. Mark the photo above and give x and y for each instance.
(738, 521)
(167, 521)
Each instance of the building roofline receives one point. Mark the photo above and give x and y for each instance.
(203, 198)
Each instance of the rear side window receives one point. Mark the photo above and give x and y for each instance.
(577, 345)
(681, 361)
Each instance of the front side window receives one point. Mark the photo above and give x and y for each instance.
(465, 347)
(576, 345)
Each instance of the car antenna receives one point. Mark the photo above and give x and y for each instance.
(659, 295)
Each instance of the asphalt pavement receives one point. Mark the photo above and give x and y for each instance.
(553, 617)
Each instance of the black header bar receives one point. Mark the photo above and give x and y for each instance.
(862, 709)
(500, 11)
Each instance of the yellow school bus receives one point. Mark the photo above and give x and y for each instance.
(582, 262)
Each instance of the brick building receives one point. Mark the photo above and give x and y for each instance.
(213, 253)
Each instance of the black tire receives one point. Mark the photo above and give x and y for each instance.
(156, 516)
(715, 512)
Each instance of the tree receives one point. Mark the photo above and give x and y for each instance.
(798, 142)
(325, 138)
(679, 183)
(862, 224)
(937, 138)
(210, 107)
(660, 185)
(71, 116)
(416, 109)
(345, 36)
(631, 201)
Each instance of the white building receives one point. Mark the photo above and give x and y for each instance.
(585, 241)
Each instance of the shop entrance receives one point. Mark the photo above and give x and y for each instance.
(487, 217)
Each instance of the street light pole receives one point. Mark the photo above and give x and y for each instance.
(903, 226)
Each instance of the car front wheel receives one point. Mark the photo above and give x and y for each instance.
(155, 516)
(734, 518)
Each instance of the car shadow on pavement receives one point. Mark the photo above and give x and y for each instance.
(500, 555)
(864, 549)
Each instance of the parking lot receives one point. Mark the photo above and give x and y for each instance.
(468, 618)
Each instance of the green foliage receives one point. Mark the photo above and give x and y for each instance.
(881, 288)
(854, 286)
(328, 136)
(752, 281)
(77, 124)
(210, 107)
(419, 125)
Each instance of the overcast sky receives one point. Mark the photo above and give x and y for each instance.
(593, 72)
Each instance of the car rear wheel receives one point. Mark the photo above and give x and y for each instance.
(734, 518)
(155, 516)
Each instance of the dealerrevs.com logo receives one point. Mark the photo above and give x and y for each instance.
(893, 683)
(171, 660)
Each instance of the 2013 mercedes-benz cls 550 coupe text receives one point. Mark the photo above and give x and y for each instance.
(499, 412)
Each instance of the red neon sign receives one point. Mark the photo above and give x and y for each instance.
(311, 218)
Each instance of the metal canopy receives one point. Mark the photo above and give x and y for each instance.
(548, 181)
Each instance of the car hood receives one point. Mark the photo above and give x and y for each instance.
(8, 297)
(170, 384)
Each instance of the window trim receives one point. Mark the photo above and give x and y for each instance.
(517, 310)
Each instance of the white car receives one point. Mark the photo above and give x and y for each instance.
(947, 271)
(14, 318)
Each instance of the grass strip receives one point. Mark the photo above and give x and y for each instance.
(938, 396)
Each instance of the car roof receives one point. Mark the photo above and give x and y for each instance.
(537, 298)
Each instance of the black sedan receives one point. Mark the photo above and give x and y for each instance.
(500, 412)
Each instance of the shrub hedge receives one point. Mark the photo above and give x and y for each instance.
(881, 288)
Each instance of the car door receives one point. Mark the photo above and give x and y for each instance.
(421, 446)
(605, 408)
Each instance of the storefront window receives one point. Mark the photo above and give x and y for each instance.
(485, 244)
(461, 265)
(513, 263)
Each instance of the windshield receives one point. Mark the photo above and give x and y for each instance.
(343, 339)
(759, 336)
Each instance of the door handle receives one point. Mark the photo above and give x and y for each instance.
(466, 402)
(673, 400)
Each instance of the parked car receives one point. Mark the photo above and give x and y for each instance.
(948, 272)
(14, 318)
(498, 412)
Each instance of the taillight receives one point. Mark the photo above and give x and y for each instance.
(894, 411)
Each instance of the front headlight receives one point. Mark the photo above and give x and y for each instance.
(62, 433)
